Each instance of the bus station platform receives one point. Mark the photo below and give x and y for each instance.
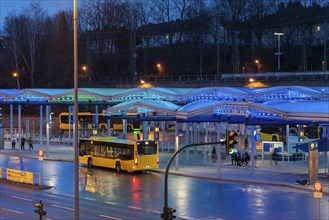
(284, 174)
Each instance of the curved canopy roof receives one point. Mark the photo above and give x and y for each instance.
(276, 104)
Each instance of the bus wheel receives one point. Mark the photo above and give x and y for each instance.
(90, 162)
(118, 167)
(274, 138)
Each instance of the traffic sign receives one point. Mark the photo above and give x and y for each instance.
(278, 53)
(317, 186)
(40, 153)
(317, 195)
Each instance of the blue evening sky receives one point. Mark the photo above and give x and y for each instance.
(52, 6)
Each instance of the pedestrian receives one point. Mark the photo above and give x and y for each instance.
(213, 154)
(22, 143)
(233, 158)
(274, 158)
(246, 158)
(30, 142)
(13, 142)
(238, 159)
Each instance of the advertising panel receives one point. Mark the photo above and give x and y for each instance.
(20, 176)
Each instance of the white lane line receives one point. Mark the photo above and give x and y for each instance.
(91, 199)
(135, 207)
(10, 210)
(186, 217)
(110, 217)
(157, 212)
(111, 203)
(21, 198)
(62, 207)
(68, 195)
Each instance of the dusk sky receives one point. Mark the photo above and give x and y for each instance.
(52, 6)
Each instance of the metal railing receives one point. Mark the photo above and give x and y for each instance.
(239, 77)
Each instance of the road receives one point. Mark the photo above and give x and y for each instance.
(106, 194)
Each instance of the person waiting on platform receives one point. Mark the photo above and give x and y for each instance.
(30, 142)
(13, 142)
(213, 154)
(22, 143)
(274, 157)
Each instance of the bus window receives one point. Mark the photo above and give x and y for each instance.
(127, 153)
(97, 150)
(89, 149)
(82, 149)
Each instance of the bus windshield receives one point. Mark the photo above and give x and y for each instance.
(146, 148)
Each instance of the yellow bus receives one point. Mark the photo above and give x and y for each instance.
(119, 154)
(87, 118)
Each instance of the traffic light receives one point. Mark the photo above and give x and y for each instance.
(230, 140)
(168, 213)
(40, 210)
(171, 213)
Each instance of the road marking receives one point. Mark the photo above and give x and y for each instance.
(10, 210)
(69, 195)
(186, 217)
(62, 207)
(109, 217)
(91, 199)
(21, 198)
(135, 207)
(157, 212)
(111, 203)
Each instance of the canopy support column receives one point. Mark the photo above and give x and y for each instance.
(187, 140)
(40, 124)
(11, 120)
(20, 126)
(176, 146)
(219, 146)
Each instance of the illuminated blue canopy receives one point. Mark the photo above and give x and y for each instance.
(282, 104)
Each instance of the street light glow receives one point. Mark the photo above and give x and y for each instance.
(15, 74)
(278, 33)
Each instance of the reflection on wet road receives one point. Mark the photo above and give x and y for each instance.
(192, 198)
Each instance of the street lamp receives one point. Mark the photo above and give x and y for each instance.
(16, 75)
(84, 68)
(278, 53)
(257, 65)
(159, 68)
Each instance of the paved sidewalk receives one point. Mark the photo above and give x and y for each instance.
(283, 174)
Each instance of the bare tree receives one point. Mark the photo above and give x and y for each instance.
(12, 30)
(231, 13)
(33, 24)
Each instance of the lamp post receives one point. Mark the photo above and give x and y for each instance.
(279, 53)
(75, 113)
(16, 75)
